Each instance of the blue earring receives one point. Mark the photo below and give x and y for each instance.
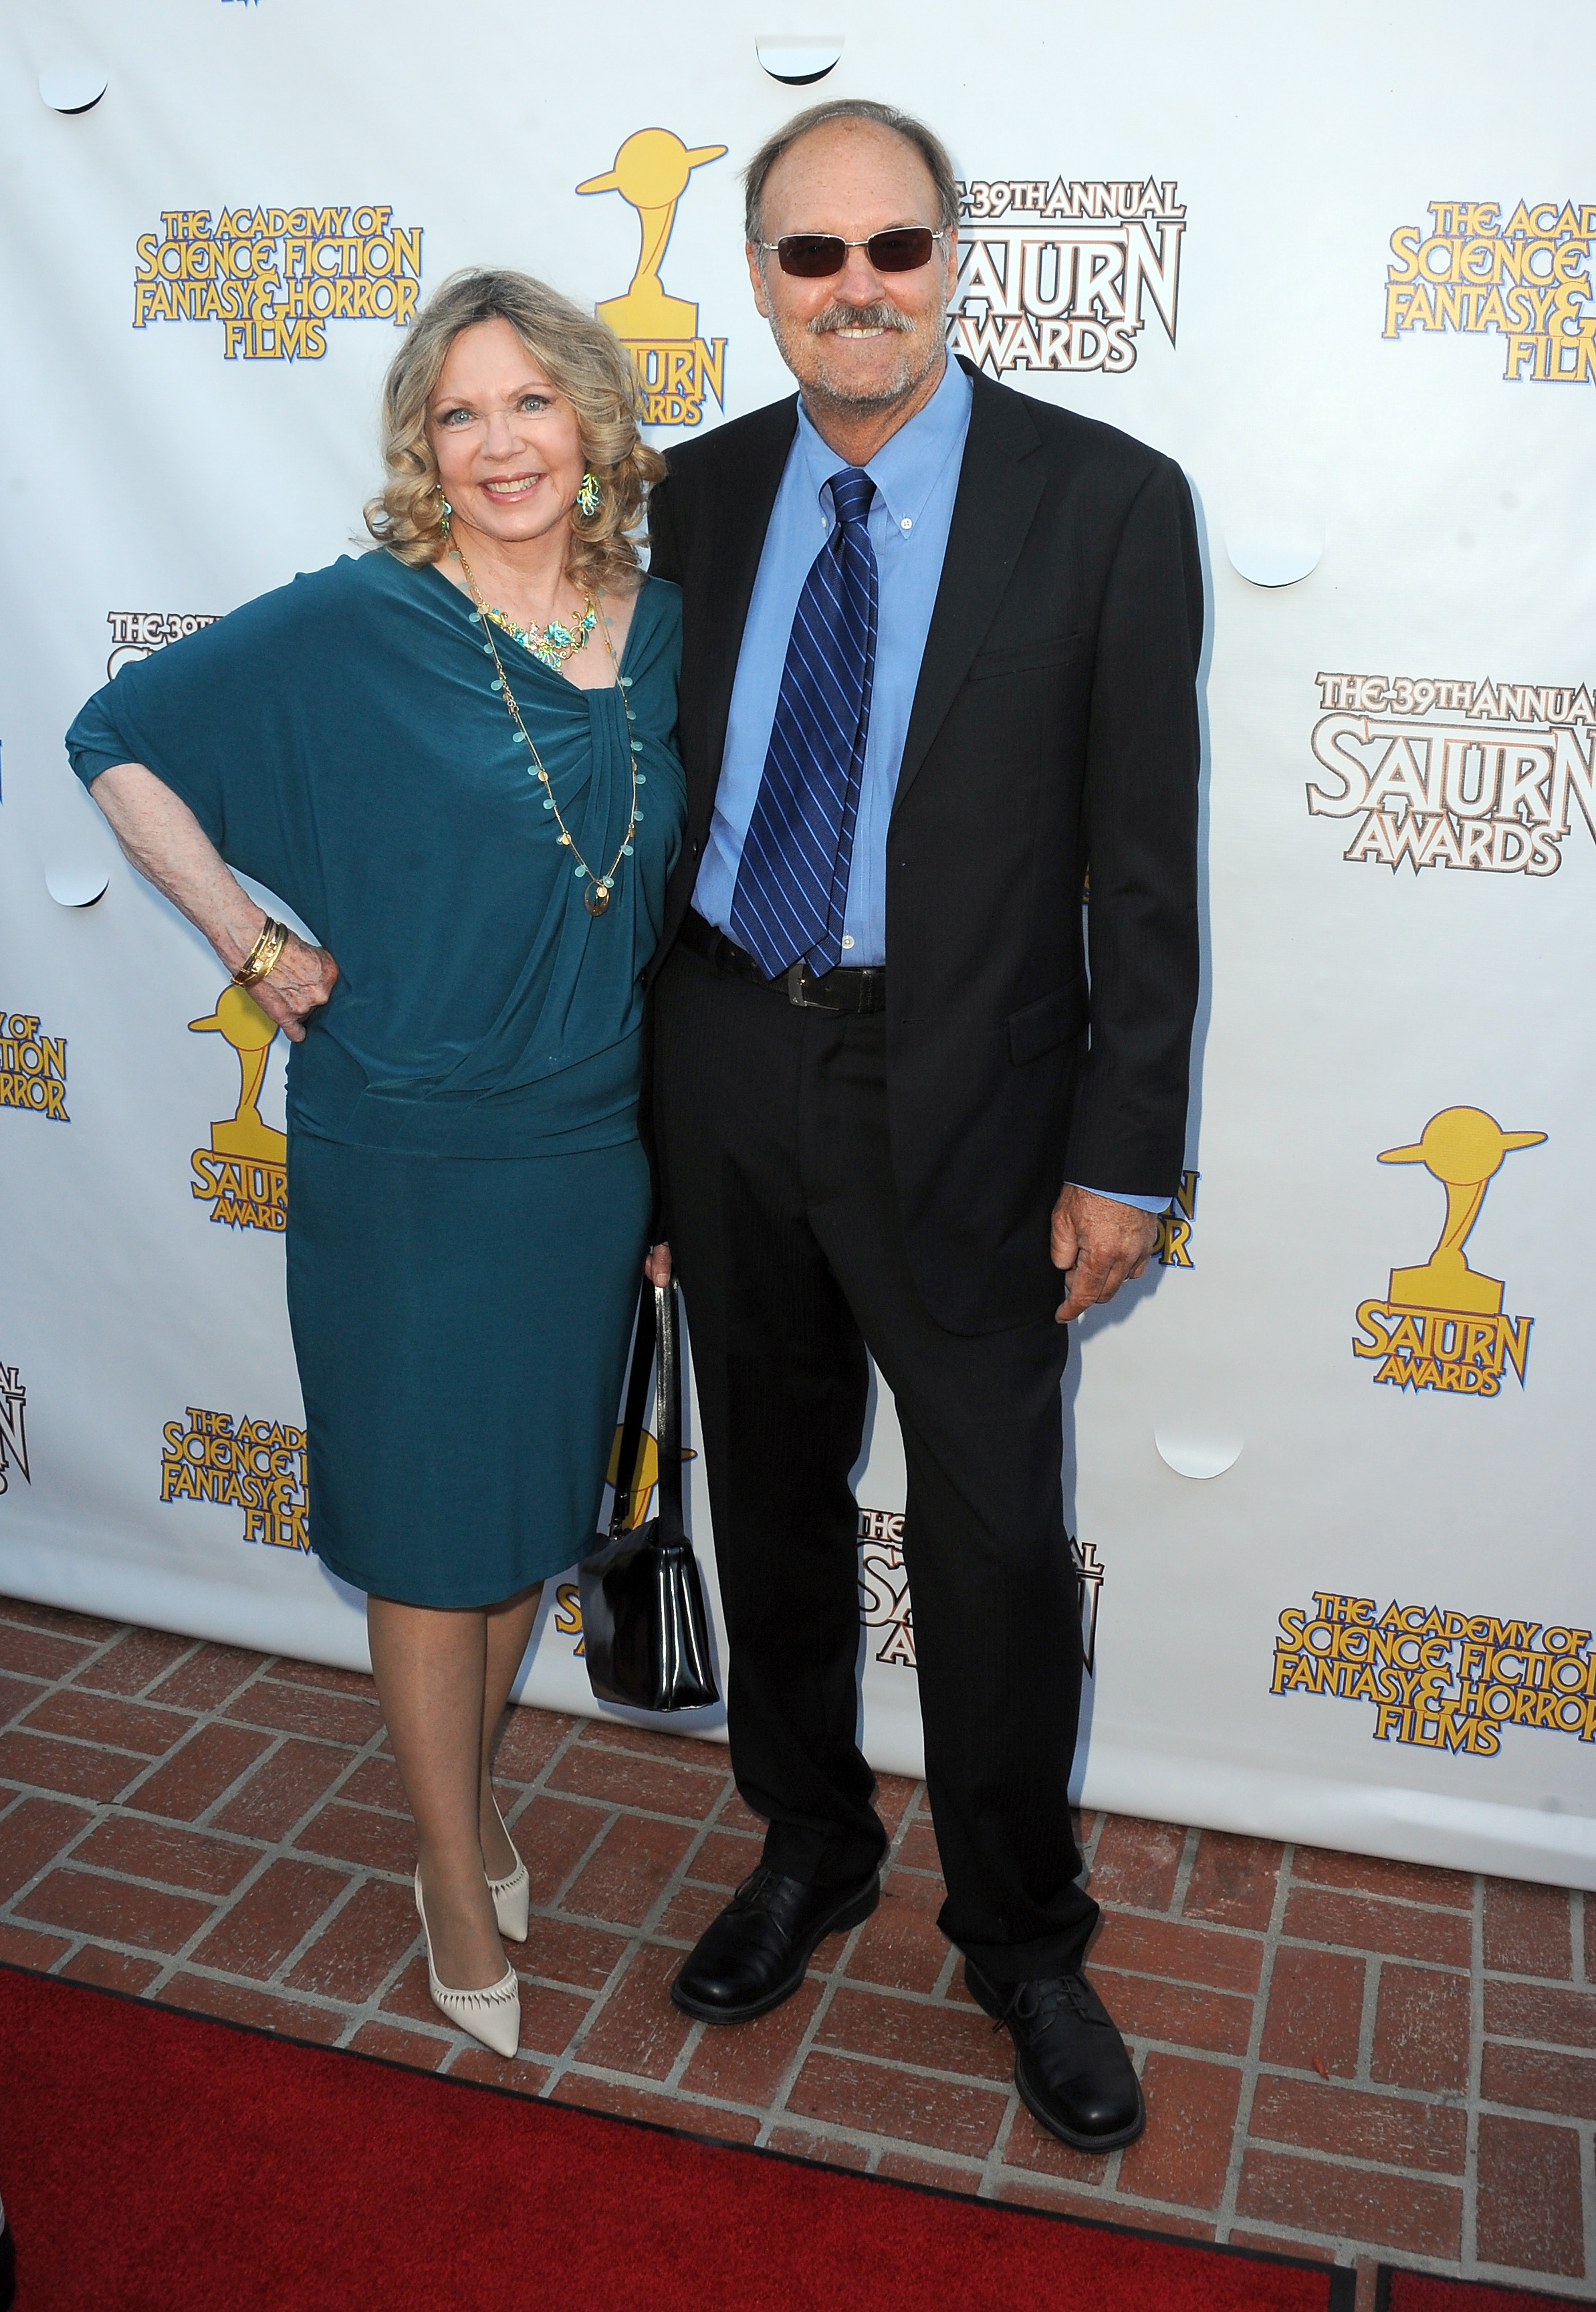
(589, 497)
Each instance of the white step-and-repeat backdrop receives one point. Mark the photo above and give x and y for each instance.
(1326, 1470)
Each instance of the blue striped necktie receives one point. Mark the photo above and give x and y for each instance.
(792, 885)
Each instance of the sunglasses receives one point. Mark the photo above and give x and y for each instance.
(817, 256)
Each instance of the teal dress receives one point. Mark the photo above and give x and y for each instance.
(468, 1196)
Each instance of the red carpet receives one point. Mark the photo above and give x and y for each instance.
(156, 2162)
(1416, 2291)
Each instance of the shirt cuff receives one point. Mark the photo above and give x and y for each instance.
(1142, 1203)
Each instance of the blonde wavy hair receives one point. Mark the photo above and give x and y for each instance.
(579, 355)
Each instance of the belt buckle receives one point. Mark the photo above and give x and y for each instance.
(794, 989)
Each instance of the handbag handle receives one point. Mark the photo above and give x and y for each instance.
(668, 1420)
(631, 1420)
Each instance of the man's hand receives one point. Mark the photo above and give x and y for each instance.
(302, 979)
(656, 1266)
(1098, 1242)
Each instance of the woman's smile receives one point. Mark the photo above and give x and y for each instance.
(510, 487)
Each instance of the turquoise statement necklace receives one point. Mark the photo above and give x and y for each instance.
(552, 644)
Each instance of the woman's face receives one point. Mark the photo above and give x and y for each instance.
(508, 445)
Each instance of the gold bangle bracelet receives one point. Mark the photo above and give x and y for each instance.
(263, 955)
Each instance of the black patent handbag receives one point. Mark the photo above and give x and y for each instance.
(645, 1634)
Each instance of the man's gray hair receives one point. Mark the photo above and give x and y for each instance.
(932, 151)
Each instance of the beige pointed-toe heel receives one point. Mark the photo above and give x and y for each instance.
(511, 1895)
(494, 2016)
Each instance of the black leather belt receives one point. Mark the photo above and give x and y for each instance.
(854, 991)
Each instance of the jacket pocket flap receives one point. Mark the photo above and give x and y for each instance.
(1049, 650)
(1051, 1020)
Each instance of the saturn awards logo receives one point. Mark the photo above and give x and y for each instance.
(1438, 1679)
(255, 1466)
(1058, 276)
(1172, 1244)
(243, 1174)
(884, 1585)
(32, 1067)
(883, 1589)
(1442, 773)
(139, 634)
(678, 368)
(1527, 281)
(1443, 1325)
(274, 278)
(14, 1431)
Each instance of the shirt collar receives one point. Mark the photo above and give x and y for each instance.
(906, 468)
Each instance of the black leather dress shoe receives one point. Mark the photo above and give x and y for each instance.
(753, 1956)
(1070, 2064)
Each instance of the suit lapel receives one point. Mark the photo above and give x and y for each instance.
(993, 510)
(745, 498)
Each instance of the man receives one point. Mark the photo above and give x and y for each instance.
(939, 651)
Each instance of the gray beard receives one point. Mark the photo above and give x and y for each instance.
(917, 356)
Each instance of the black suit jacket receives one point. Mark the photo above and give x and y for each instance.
(1054, 729)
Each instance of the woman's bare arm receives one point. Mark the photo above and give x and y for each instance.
(167, 844)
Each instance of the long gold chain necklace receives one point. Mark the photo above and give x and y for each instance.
(595, 897)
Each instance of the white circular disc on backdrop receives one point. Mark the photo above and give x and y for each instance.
(798, 58)
(1197, 1452)
(76, 883)
(1274, 557)
(72, 87)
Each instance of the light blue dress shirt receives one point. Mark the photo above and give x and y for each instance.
(916, 474)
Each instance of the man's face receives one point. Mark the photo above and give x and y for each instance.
(860, 340)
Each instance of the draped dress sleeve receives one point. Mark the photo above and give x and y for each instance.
(340, 742)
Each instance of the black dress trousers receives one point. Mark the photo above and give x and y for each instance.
(776, 1173)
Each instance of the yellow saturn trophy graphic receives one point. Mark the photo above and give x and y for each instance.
(243, 1175)
(1443, 1327)
(677, 368)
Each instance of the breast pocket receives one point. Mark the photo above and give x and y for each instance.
(1051, 1020)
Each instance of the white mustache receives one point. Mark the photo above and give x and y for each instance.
(859, 317)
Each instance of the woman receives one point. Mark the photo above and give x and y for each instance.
(454, 758)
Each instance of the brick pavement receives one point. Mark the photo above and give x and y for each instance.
(1343, 2058)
